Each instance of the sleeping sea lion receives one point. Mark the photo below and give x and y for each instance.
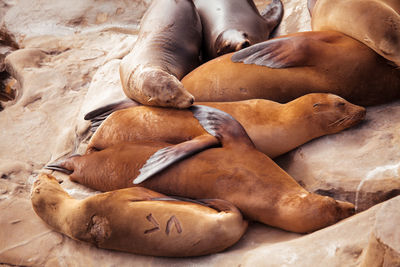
(167, 48)
(223, 163)
(274, 128)
(138, 220)
(231, 25)
(285, 68)
(376, 23)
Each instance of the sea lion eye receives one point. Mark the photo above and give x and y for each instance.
(316, 105)
(340, 104)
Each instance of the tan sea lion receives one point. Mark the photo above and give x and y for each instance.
(167, 48)
(138, 220)
(376, 23)
(285, 68)
(274, 128)
(223, 163)
(231, 25)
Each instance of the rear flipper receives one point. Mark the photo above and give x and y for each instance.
(273, 13)
(221, 126)
(62, 166)
(98, 115)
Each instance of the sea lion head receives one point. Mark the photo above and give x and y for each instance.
(46, 191)
(230, 41)
(155, 87)
(333, 113)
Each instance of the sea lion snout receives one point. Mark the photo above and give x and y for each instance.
(345, 209)
(158, 88)
(231, 41)
(336, 114)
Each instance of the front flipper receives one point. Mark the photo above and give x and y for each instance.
(276, 53)
(273, 13)
(167, 156)
(221, 125)
(296, 50)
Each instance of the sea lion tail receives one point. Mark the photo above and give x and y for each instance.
(273, 13)
(221, 125)
(98, 115)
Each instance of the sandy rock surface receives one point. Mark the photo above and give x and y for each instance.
(69, 66)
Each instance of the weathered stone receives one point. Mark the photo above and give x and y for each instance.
(26, 18)
(384, 244)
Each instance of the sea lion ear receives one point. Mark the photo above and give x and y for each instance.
(98, 115)
(276, 53)
(167, 156)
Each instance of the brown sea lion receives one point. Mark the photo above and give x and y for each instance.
(231, 25)
(167, 48)
(222, 163)
(376, 23)
(138, 220)
(274, 128)
(285, 68)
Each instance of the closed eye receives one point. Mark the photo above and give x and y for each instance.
(340, 104)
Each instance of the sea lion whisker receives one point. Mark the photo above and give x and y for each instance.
(334, 123)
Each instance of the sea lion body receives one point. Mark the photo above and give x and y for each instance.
(376, 23)
(167, 48)
(138, 220)
(229, 26)
(288, 67)
(274, 128)
(228, 167)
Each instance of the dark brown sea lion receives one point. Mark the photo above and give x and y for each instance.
(231, 25)
(138, 220)
(285, 68)
(167, 48)
(222, 163)
(376, 23)
(274, 128)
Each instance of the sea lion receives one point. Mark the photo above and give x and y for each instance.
(229, 26)
(223, 163)
(285, 68)
(376, 23)
(138, 220)
(274, 128)
(167, 48)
